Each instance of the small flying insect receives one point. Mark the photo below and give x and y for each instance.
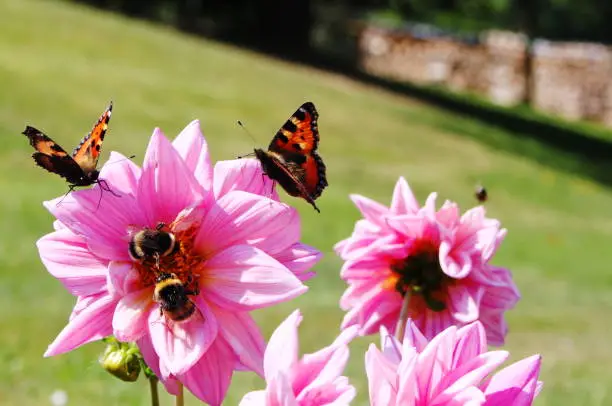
(152, 243)
(172, 296)
(481, 194)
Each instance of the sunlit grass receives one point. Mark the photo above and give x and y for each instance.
(61, 63)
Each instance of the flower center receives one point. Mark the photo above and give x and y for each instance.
(420, 274)
(183, 260)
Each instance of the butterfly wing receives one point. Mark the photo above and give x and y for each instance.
(50, 156)
(87, 153)
(288, 174)
(299, 134)
(315, 179)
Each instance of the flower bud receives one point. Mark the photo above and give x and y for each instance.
(121, 360)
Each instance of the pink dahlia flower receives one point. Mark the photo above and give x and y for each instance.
(313, 380)
(236, 251)
(452, 369)
(438, 257)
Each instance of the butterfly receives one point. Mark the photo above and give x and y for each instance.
(292, 160)
(80, 168)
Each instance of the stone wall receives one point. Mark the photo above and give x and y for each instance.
(569, 79)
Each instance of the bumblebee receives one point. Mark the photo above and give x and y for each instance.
(172, 296)
(481, 194)
(152, 243)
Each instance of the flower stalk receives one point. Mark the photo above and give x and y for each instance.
(179, 400)
(403, 317)
(153, 381)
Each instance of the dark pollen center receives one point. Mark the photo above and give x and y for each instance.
(420, 274)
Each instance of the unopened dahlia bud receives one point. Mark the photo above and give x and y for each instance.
(121, 359)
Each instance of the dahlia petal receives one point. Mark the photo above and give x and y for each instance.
(502, 293)
(407, 391)
(388, 247)
(435, 361)
(90, 324)
(131, 314)
(318, 369)
(83, 302)
(102, 220)
(408, 225)
(489, 250)
(160, 197)
(244, 337)
(242, 217)
(152, 360)
(431, 322)
(381, 378)
(328, 393)
(468, 375)
(341, 392)
(192, 147)
(58, 225)
(279, 392)
(245, 278)
(120, 174)
(390, 346)
(470, 396)
(373, 309)
(122, 278)
(360, 288)
(67, 258)
(403, 201)
(495, 326)
(516, 384)
(464, 302)
(471, 341)
(448, 215)
(245, 175)
(209, 378)
(181, 345)
(370, 209)
(255, 398)
(456, 264)
(282, 350)
(299, 259)
(413, 337)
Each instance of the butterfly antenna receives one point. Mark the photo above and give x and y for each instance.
(121, 160)
(250, 135)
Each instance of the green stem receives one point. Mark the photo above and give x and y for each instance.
(154, 395)
(179, 400)
(403, 317)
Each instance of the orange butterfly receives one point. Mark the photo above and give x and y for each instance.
(80, 168)
(291, 159)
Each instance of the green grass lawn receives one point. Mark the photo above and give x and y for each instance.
(61, 63)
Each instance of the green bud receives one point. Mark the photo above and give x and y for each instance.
(121, 359)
